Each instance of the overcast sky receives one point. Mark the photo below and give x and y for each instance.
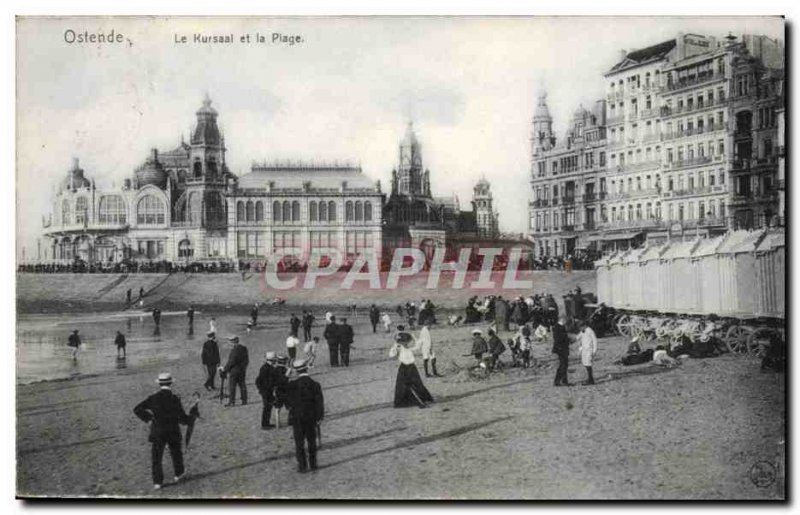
(346, 93)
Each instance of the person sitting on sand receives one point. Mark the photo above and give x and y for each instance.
(408, 389)
(662, 359)
(479, 346)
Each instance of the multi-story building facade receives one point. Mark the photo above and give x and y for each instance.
(566, 180)
(486, 218)
(692, 145)
(184, 205)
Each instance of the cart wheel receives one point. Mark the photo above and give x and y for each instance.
(624, 326)
(737, 338)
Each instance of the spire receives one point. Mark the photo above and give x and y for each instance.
(542, 112)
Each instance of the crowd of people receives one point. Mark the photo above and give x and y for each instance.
(127, 267)
(580, 261)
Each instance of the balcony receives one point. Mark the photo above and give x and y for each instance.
(688, 163)
(568, 228)
(541, 203)
(648, 113)
(636, 167)
(569, 200)
(700, 190)
(695, 80)
(555, 202)
(651, 223)
(627, 195)
(764, 161)
(589, 197)
(615, 96)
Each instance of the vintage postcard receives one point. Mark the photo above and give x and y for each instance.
(396, 258)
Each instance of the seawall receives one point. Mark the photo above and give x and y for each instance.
(38, 293)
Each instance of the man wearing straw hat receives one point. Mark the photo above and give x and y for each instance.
(306, 411)
(164, 412)
(408, 388)
(266, 386)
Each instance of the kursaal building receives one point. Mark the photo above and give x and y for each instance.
(185, 206)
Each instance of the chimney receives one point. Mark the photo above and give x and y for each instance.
(75, 163)
(154, 154)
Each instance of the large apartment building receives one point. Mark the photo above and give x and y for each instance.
(691, 141)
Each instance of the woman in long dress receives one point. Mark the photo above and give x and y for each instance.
(408, 388)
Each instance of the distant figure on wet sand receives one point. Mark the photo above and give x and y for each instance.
(294, 325)
(157, 316)
(308, 323)
(254, 314)
(408, 388)
(374, 317)
(128, 296)
(345, 341)
(190, 315)
(386, 320)
(74, 341)
(120, 342)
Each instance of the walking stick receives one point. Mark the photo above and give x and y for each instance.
(319, 433)
(221, 388)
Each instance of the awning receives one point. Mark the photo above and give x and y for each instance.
(621, 236)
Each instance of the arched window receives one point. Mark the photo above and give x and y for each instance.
(240, 211)
(323, 211)
(198, 169)
(112, 210)
(276, 211)
(81, 210)
(359, 212)
(185, 248)
(287, 211)
(212, 167)
(312, 211)
(331, 211)
(259, 211)
(367, 211)
(65, 218)
(250, 211)
(348, 211)
(215, 208)
(295, 211)
(149, 211)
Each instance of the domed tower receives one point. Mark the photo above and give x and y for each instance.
(543, 138)
(485, 216)
(75, 179)
(202, 203)
(410, 172)
(151, 172)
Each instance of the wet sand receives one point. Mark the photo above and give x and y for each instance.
(693, 432)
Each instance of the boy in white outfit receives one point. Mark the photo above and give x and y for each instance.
(426, 345)
(587, 345)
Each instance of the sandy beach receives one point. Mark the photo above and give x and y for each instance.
(693, 432)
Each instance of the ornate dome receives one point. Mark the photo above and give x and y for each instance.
(75, 179)
(151, 172)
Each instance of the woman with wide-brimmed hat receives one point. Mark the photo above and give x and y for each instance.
(408, 388)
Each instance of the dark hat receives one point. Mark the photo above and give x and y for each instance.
(403, 338)
(282, 360)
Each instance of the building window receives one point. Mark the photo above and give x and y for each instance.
(359, 212)
(312, 211)
(295, 211)
(112, 210)
(323, 211)
(185, 249)
(367, 211)
(250, 211)
(285, 240)
(276, 211)
(357, 242)
(149, 211)
(331, 211)
(215, 208)
(240, 211)
(259, 211)
(286, 211)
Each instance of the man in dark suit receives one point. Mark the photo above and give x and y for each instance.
(561, 349)
(164, 412)
(294, 325)
(266, 387)
(235, 369)
(308, 322)
(120, 342)
(345, 341)
(306, 411)
(254, 314)
(211, 360)
(331, 335)
(374, 317)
